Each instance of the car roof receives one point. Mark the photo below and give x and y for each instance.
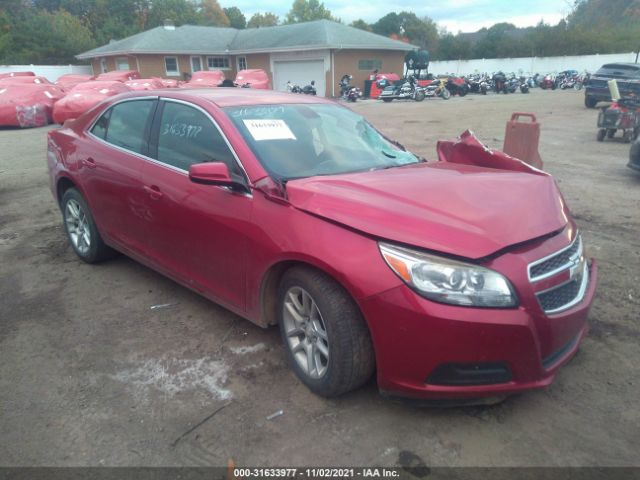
(232, 97)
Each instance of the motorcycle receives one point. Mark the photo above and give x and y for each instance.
(307, 89)
(458, 86)
(348, 92)
(408, 90)
(548, 83)
(524, 85)
(500, 82)
(438, 88)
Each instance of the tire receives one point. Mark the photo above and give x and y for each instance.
(611, 133)
(634, 154)
(81, 229)
(601, 134)
(462, 92)
(339, 329)
(445, 94)
(627, 136)
(419, 96)
(387, 100)
(590, 102)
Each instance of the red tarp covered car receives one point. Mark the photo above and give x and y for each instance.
(119, 75)
(70, 80)
(26, 79)
(28, 104)
(17, 74)
(84, 96)
(168, 82)
(253, 78)
(208, 79)
(144, 84)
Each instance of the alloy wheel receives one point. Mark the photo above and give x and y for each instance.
(77, 227)
(306, 332)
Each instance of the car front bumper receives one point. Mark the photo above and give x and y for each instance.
(414, 337)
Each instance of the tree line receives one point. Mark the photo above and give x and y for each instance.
(53, 31)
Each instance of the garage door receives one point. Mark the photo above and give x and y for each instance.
(299, 72)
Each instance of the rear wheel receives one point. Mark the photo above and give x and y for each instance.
(419, 96)
(601, 134)
(627, 136)
(445, 94)
(387, 100)
(327, 341)
(590, 102)
(81, 229)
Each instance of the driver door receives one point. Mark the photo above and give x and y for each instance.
(197, 233)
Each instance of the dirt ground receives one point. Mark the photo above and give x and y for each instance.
(91, 375)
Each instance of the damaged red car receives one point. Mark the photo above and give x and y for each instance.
(458, 279)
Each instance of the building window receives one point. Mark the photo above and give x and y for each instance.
(171, 66)
(242, 63)
(122, 63)
(369, 65)
(196, 64)
(103, 65)
(218, 63)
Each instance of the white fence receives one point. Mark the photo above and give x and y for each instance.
(51, 72)
(529, 65)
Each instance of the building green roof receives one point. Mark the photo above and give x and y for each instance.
(197, 40)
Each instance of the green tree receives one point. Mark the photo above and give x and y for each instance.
(48, 38)
(236, 18)
(388, 25)
(361, 24)
(308, 10)
(211, 14)
(422, 32)
(267, 19)
(181, 12)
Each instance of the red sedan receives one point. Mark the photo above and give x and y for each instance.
(442, 277)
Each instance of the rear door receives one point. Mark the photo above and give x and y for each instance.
(197, 233)
(110, 165)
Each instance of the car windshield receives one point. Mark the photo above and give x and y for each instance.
(296, 141)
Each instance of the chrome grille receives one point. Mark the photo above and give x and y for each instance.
(566, 295)
(570, 293)
(557, 262)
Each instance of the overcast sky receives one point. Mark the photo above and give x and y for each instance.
(455, 15)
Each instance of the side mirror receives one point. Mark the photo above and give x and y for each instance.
(214, 173)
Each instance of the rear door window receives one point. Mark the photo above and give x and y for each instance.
(125, 125)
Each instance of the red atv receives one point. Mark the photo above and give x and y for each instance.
(624, 115)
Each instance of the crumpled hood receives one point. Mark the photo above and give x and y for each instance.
(457, 209)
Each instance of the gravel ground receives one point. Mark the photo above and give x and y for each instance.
(90, 375)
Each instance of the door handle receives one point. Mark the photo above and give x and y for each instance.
(89, 162)
(154, 192)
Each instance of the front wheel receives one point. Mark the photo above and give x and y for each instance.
(81, 229)
(601, 134)
(445, 94)
(327, 341)
(419, 96)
